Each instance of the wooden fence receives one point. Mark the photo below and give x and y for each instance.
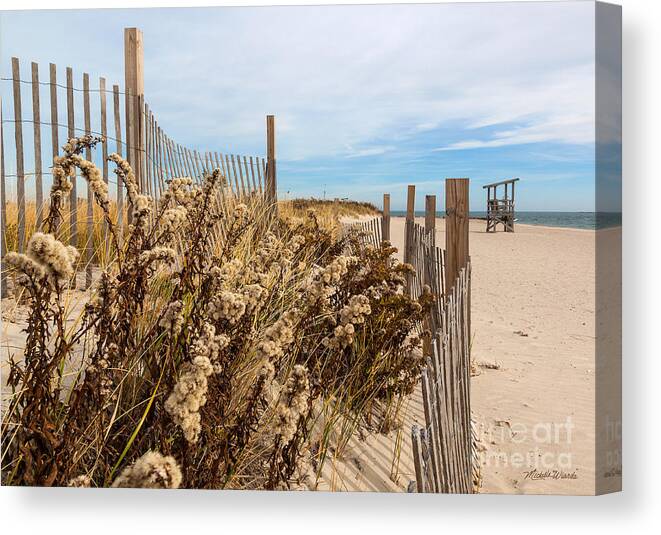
(368, 232)
(443, 454)
(443, 448)
(166, 159)
(375, 230)
(76, 105)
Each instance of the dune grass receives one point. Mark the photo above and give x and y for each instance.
(99, 244)
(222, 346)
(328, 213)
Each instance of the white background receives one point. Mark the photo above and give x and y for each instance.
(638, 508)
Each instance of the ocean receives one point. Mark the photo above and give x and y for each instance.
(583, 220)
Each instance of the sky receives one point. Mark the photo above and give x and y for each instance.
(367, 99)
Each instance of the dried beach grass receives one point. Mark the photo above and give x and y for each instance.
(220, 347)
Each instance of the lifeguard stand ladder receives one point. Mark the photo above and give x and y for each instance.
(500, 210)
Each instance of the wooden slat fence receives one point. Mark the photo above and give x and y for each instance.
(368, 232)
(96, 108)
(444, 460)
(166, 159)
(428, 262)
(444, 455)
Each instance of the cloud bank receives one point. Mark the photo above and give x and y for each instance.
(368, 87)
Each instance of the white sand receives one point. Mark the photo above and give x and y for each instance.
(533, 322)
(376, 462)
(533, 317)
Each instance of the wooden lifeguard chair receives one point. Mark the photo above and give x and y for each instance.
(500, 210)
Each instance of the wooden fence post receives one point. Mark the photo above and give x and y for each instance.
(430, 217)
(430, 230)
(410, 219)
(55, 140)
(18, 138)
(271, 178)
(36, 131)
(385, 221)
(3, 208)
(408, 233)
(456, 228)
(118, 150)
(134, 86)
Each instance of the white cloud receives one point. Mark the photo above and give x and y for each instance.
(373, 151)
(375, 75)
(337, 76)
(575, 129)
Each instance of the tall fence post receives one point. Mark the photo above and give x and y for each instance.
(36, 132)
(134, 86)
(456, 228)
(271, 178)
(18, 139)
(430, 217)
(385, 220)
(3, 209)
(408, 232)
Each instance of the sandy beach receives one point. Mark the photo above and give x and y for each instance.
(533, 395)
(533, 323)
(533, 347)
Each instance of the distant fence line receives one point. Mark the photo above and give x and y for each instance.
(127, 126)
(367, 232)
(443, 449)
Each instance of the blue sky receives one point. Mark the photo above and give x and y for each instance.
(367, 98)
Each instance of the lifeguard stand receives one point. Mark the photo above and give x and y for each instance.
(500, 210)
